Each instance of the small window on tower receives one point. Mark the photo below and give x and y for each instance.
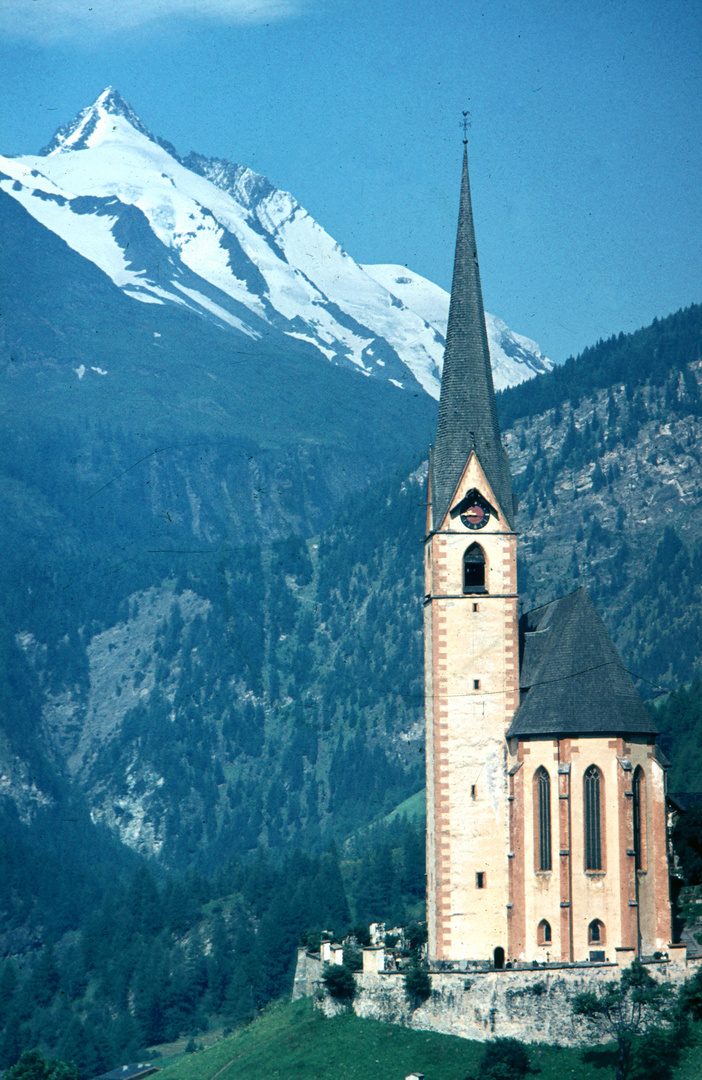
(474, 570)
(543, 932)
(475, 607)
(596, 932)
(480, 879)
(476, 684)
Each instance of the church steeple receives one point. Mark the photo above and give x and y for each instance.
(467, 410)
(471, 653)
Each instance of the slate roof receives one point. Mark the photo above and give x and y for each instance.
(684, 800)
(572, 678)
(129, 1072)
(467, 410)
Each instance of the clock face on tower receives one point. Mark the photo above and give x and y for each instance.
(474, 517)
(475, 513)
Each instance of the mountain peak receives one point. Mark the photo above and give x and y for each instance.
(90, 126)
(217, 238)
(112, 101)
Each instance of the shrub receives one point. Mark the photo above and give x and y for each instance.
(362, 935)
(504, 1059)
(340, 982)
(416, 936)
(311, 940)
(353, 958)
(690, 996)
(34, 1066)
(417, 986)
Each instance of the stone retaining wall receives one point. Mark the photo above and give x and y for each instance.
(532, 1006)
(308, 975)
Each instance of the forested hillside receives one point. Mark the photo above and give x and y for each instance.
(203, 699)
(211, 697)
(154, 960)
(249, 696)
(610, 485)
(647, 357)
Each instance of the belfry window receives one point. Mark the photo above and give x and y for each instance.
(474, 570)
(593, 818)
(542, 809)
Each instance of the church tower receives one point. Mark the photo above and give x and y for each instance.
(471, 635)
(546, 791)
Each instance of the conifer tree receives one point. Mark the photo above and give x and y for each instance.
(634, 1006)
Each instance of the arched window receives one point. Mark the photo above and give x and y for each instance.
(474, 570)
(543, 932)
(542, 812)
(639, 790)
(596, 933)
(593, 819)
(499, 958)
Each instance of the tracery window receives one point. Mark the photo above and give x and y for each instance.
(542, 810)
(593, 818)
(638, 788)
(474, 570)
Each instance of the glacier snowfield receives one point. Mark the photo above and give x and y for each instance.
(220, 240)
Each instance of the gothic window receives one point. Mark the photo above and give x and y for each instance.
(638, 787)
(542, 809)
(596, 933)
(543, 933)
(593, 818)
(474, 570)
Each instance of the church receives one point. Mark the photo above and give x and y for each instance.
(546, 816)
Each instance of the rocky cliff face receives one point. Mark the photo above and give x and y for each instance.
(279, 696)
(250, 697)
(204, 694)
(600, 483)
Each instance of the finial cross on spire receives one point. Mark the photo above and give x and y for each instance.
(465, 124)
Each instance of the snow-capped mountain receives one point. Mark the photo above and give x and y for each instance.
(514, 358)
(219, 239)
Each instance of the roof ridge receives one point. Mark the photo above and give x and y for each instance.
(556, 600)
(574, 680)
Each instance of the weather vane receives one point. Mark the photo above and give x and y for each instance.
(465, 124)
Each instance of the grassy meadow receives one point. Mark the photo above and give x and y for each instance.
(293, 1040)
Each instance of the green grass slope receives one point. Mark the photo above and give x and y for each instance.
(292, 1040)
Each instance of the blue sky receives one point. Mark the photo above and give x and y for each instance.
(585, 142)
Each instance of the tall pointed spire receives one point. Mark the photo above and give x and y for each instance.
(467, 410)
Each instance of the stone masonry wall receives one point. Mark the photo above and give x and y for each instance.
(533, 1006)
